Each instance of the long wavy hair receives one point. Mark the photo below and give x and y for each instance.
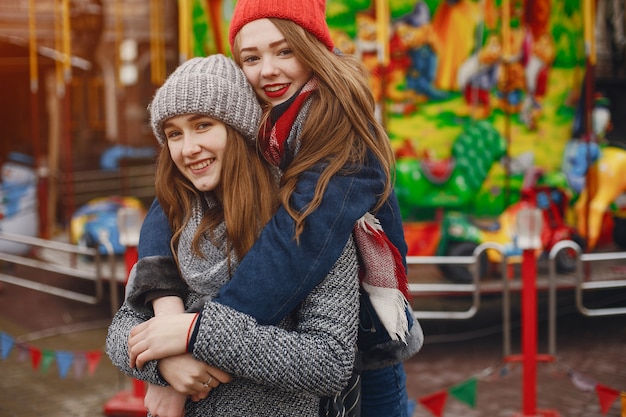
(246, 196)
(341, 126)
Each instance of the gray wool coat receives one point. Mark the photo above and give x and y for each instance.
(277, 370)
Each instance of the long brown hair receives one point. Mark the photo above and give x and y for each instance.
(341, 126)
(246, 196)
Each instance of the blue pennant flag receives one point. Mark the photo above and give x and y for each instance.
(64, 361)
(6, 342)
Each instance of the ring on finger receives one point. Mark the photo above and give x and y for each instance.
(206, 384)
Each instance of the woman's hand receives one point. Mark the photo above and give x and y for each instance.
(159, 338)
(189, 376)
(164, 401)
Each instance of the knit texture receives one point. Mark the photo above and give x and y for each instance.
(310, 14)
(278, 370)
(214, 86)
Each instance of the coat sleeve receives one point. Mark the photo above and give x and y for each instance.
(156, 275)
(117, 345)
(315, 355)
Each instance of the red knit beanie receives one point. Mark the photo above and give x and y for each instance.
(310, 14)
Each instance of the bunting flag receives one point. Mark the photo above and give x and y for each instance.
(6, 343)
(41, 360)
(46, 360)
(35, 357)
(465, 392)
(64, 362)
(435, 403)
(93, 359)
(80, 363)
(606, 397)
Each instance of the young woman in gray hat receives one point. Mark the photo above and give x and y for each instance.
(218, 194)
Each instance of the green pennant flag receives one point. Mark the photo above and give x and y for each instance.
(465, 392)
(46, 360)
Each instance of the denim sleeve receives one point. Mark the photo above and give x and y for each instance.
(278, 273)
(155, 236)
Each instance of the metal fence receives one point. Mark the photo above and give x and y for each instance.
(67, 263)
(94, 273)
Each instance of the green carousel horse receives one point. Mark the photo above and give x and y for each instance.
(451, 183)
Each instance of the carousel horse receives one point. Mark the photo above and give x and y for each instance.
(608, 181)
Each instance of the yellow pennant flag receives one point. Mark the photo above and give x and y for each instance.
(623, 397)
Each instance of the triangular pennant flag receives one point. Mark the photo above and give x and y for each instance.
(465, 392)
(6, 342)
(623, 395)
(93, 358)
(582, 382)
(64, 361)
(435, 403)
(80, 364)
(35, 357)
(606, 396)
(46, 360)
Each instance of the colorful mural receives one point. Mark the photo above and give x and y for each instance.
(473, 93)
(456, 65)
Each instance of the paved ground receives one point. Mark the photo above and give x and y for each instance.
(454, 353)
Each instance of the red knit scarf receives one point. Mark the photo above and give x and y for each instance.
(274, 136)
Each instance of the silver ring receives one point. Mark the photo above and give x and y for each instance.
(206, 384)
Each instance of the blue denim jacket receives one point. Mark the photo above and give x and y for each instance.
(278, 273)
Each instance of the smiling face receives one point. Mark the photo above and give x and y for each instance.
(196, 144)
(268, 62)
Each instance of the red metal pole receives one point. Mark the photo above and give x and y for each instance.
(529, 332)
(529, 224)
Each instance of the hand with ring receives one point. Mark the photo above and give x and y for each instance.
(190, 376)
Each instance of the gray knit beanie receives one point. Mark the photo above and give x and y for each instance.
(214, 86)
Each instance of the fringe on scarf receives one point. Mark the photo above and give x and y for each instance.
(383, 276)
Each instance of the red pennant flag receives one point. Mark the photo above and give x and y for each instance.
(435, 403)
(606, 396)
(93, 358)
(35, 357)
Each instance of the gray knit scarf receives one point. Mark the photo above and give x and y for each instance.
(206, 274)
